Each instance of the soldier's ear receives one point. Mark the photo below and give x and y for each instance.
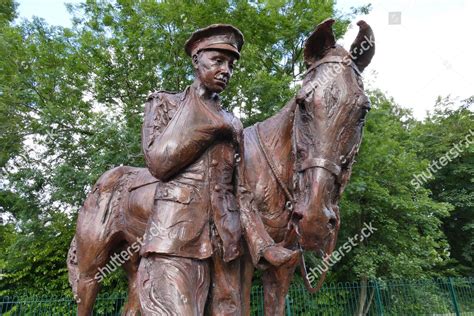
(195, 61)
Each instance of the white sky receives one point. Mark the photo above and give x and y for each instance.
(426, 56)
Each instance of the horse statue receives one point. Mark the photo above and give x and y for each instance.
(300, 159)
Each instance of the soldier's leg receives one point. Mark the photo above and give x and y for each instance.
(173, 285)
(225, 296)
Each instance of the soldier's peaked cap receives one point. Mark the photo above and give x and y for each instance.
(215, 36)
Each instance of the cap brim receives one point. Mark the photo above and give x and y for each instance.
(225, 47)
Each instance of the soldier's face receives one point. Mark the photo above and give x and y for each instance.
(214, 69)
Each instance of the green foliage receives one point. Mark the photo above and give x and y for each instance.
(450, 129)
(394, 297)
(7, 11)
(422, 297)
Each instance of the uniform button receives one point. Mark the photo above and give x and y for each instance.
(214, 162)
(217, 187)
(165, 193)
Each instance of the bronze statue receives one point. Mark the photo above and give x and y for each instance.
(295, 165)
(192, 146)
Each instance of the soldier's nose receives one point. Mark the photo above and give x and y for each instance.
(226, 69)
(225, 72)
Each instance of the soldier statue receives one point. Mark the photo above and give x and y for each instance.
(202, 207)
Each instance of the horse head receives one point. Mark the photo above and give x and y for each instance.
(329, 117)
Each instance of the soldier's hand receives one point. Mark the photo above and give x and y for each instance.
(278, 256)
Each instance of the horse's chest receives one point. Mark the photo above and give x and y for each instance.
(271, 204)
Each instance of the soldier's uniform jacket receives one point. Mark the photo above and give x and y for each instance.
(190, 147)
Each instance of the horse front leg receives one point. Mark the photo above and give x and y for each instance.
(276, 282)
(92, 256)
(93, 266)
(132, 308)
(246, 274)
(87, 289)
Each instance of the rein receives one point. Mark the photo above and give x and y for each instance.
(289, 196)
(311, 162)
(289, 205)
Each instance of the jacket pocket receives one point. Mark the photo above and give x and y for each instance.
(231, 202)
(175, 193)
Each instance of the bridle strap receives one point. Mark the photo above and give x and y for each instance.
(311, 86)
(290, 199)
(330, 166)
(334, 59)
(289, 195)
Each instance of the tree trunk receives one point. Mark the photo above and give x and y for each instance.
(362, 296)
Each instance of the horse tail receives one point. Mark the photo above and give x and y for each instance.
(97, 228)
(72, 267)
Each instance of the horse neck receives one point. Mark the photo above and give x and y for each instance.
(276, 135)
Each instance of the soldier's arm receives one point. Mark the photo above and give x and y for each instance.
(154, 121)
(170, 148)
(159, 112)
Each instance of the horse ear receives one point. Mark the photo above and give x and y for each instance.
(363, 48)
(319, 42)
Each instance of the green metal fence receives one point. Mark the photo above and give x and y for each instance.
(452, 296)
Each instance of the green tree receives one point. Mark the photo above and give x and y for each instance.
(449, 132)
(7, 11)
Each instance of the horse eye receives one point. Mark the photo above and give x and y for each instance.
(305, 116)
(363, 114)
(302, 106)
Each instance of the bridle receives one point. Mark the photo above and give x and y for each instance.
(318, 162)
(311, 162)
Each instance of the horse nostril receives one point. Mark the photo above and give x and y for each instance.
(332, 223)
(297, 216)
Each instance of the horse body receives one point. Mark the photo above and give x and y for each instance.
(107, 224)
(300, 162)
(115, 214)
